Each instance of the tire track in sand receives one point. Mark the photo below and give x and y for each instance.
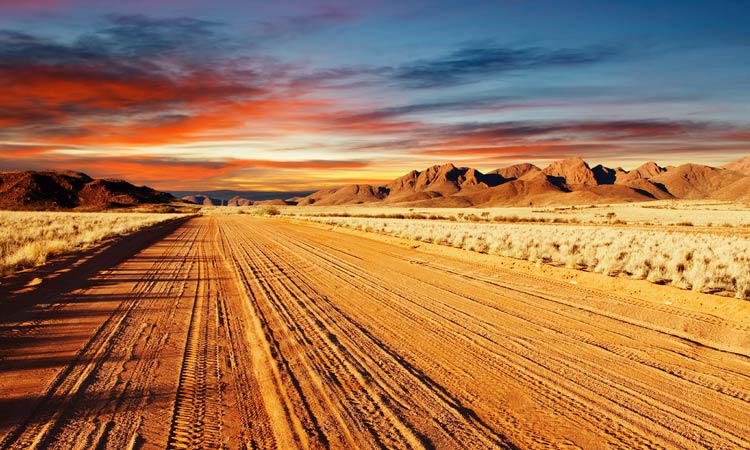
(640, 399)
(258, 333)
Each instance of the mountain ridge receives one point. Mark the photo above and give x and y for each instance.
(566, 181)
(59, 190)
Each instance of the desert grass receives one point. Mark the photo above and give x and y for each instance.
(259, 210)
(30, 238)
(667, 213)
(702, 262)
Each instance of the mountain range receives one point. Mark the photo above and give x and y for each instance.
(568, 181)
(206, 200)
(53, 190)
(228, 197)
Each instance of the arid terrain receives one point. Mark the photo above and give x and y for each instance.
(235, 331)
(569, 181)
(343, 225)
(61, 190)
(677, 245)
(30, 238)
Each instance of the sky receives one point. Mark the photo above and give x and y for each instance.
(306, 94)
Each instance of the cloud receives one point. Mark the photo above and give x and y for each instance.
(146, 37)
(635, 129)
(29, 5)
(497, 103)
(161, 172)
(467, 65)
(119, 38)
(318, 17)
(140, 83)
(554, 139)
(582, 130)
(348, 122)
(474, 63)
(138, 80)
(23, 150)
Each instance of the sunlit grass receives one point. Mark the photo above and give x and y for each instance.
(703, 262)
(30, 238)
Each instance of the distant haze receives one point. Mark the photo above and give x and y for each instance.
(225, 194)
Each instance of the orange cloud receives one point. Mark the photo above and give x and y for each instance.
(167, 172)
(20, 151)
(543, 149)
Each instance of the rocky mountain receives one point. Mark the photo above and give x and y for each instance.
(239, 201)
(695, 181)
(742, 165)
(353, 193)
(571, 171)
(227, 195)
(517, 171)
(568, 181)
(54, 190)
(204, 200)
(236, 201)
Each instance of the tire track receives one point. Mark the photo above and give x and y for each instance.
(129, 374)
(321, 319)
(727, 426)
(444, 340)
(196, 419)
(257, 333)
(628, 401)
(256, 427)
(44, 425)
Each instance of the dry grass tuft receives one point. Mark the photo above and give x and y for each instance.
(29, 238)
(699, 261)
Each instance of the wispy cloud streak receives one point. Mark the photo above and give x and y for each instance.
(474, 63)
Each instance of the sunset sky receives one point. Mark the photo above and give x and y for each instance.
(293, 95)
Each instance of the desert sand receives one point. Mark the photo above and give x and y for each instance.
(245, 332)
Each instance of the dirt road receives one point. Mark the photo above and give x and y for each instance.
(241, 332)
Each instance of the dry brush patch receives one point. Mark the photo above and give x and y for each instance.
(29, 238)
(661, 213)
(699, 261)
(255, 210)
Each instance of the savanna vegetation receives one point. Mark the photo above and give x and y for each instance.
(703, 262)
(30, 238)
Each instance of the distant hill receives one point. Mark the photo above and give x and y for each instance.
(55, 190)
(226, 197)
(742, 165)
(568, 181)
(239, 201)
(227, 194)
(236, 201)
(204, 200)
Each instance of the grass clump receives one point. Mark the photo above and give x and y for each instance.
(267, 211)
(698, 261)
(28, 239)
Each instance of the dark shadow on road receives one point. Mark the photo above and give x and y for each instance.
(75, 271)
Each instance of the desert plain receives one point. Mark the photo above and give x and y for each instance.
(265, 327)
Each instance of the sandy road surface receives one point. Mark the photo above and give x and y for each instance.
(239, 332)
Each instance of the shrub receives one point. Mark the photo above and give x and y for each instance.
(267, 211)
(698, 261)
(30, 238)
